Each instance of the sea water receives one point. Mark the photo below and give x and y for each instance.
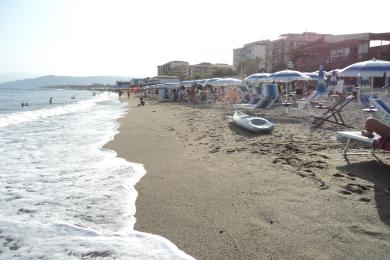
(62, 196)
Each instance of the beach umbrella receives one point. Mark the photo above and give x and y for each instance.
(227, 82)
(367, 69)
(330, 73)
(287, 76)
(321, 89)
(314, 75)
(370, 68)
(257, 77)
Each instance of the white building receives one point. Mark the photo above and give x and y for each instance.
(250, 51)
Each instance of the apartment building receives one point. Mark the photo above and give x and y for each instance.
(206, 69)
(338, 51)
(174, 68)
(279, 52)
(251, 58)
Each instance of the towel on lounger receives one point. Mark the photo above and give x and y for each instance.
(382, 143)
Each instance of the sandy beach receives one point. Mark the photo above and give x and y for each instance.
(220, 192)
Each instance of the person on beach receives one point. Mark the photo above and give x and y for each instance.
(141, 102)
(373, 125)
(51, 100)
(22, 104)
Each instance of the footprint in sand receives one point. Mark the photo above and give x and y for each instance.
(356, 188)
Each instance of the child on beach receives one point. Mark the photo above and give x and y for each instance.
(141, 102)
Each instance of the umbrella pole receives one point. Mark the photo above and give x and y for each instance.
(372, 86)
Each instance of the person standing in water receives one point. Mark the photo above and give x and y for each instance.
(51, 100)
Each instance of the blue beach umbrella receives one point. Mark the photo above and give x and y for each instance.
(321, 89)
(333, 80)
(314, 75)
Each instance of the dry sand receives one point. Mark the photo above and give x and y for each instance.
(219, 192)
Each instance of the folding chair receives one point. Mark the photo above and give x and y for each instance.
(305, 103)
(333, 114)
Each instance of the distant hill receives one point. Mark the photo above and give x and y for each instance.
(52, 80)
(11, 76)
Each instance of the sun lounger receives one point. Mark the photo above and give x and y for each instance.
(270, 96)
(356, 135)
(333, 114)
(372, 142)
(262, 103)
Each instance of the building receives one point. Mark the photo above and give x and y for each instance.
(174, 68)
(123, 84)
(339, 51)
(137, 82)
(279, 52)
(251, 58)
(206, 69)
(161, 80)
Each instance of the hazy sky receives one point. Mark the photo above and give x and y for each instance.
(115, 37)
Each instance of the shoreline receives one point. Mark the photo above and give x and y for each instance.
(218, 192)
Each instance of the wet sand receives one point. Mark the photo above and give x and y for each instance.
(219, 192)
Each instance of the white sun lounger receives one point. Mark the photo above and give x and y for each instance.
(356, 135)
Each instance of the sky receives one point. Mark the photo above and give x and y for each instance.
(132, 37)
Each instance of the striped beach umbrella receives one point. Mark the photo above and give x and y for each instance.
(370, 68)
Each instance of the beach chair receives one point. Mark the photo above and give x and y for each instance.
(261, 103)
(383, 107)
(269, 97)
(305, 103)
(333, 114)
(365, 98)
(356, 135)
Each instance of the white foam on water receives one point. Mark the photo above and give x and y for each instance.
(63, 196)
(49, 111)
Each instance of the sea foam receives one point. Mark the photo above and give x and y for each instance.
(64, 196)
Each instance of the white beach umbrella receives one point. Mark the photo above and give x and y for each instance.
(257, 77)
(287, 76)
(330, 73)
(227, 82)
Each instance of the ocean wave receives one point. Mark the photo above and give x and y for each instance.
(27, 116)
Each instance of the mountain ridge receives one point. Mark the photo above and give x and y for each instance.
(54, 80)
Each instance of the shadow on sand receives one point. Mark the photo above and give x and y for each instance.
(377, 173)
